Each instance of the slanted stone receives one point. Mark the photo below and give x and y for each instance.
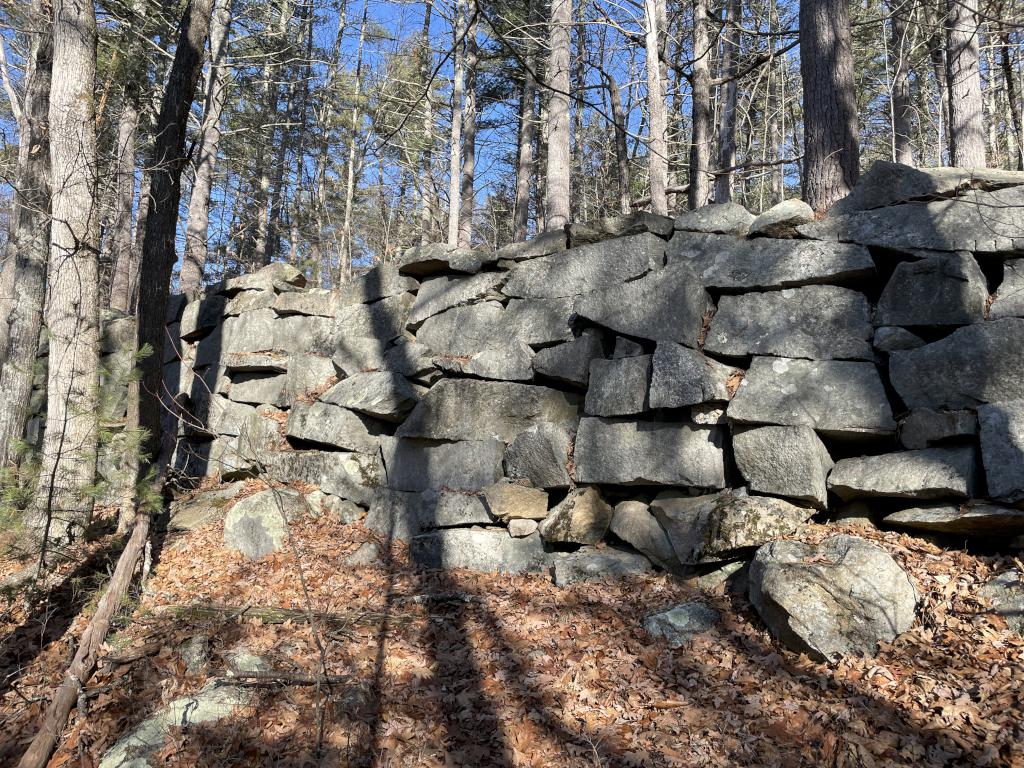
(255, 362)
(399, 515)
(419, 465)
(931, 473)
(593, 563)
(258, 524)
(519, 528)
(436, 258)
(980, 363)
(510, 501)
(729, 263)
(200, 316)
(678, 626)
(782, 219)
(318, 301)
(540, 454)
(352, 476)
(840, 597)
(543, 244)
(682, 376)
(1005, 593)
(977, 518)
(1002, 449)
(279, 276)
(381, 282)
(409, 358)
(586, 269)
(538, 321)
(384, 319)
(488, 550)
(582, 517)
(326, 424)
(465, 409)
(633, 522)
(892, 339)
(1009, 298)
(597, 230)
(923, 427)
(569, 362)
(784, 461)
(723, 526)
(441, 293)
(503, 363)
(381, 394)
(618, 387)
(366, 554)
(666, 305)
(648, 453)
(820, 322)
(626, 348)
(717, 218)
(948, 289)
(836, 398)
(454, 509)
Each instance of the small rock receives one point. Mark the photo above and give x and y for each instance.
(597, 563)
(582, 517)
(857, 514)
(258, 524)
(717, 218)
(195, 653)
(618, 387)
(781, 220)
(366, 554)
(633, 522)
(519, 528)
(540, 455)
(626, 348)
(948, 289)
(678, 626)
(1006, 594)
(708, 414)
(509, 501)
(341, 510)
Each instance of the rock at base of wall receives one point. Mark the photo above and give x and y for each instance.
(590, 563)
(1006, 594)
(258, 524)
(784, 461)
(1002, 449)
(975, 519)
(633, 522)
(931, 473)
(582, 517)
(488, 550)
(678, 626)
(455, 508)
(540, 455)
(399, 515)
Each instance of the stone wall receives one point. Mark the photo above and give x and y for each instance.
(640, 392)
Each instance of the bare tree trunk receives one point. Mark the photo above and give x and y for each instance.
(966, 124)
(23, 280)
(934, 11)
(577, 204)
(831, 149)
(455, 161)
(657, 107)
(524, 159)
(426, 155)
(467, 198)
(345, 268)
(700, 137)
(125, 255)
(727, 124)
(558, 196)
(1012, 97)
(621, 151)
(197, 229)
(902, 105)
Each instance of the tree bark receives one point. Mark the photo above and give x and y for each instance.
(700, 136)
(963, 78)
(831, 148)
(621, 150)
(427, 202)
(1012, 97)
(345, 257)
(902, 104)
(657, 107)
(467, 198)
(124, 254)
(559, 159)
(455, 159)
(727, 124)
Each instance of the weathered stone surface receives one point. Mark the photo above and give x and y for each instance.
(727, 262)
(306, 373)
(384, 319)
(419, 465)
(708, 414)
(205, 507)
(633, 522)
(837, 598)
(381, 282)
(834, 397)
(586, 269)
(366, 554)
(257, 388)
(308, 334)
(978, 518)
(399, 515)
(682, 376)
(256, 362)
(977, 221)
(820, 322)
(490, 550)
(249, 301)
(435, 258)
(784, 461)
(781, 220)
(582, 517)
(317, 301)
(1009, 298)
(1002, 449)
(666, 305)
(356, 354)
(201, 315)
(540, 454)
(586, 232)
(723, 526)
(631, 452)
(1005, 592)
(509, 501)
(891, 339)
(225, 417)
(717, 218)
(258, 524)
(464, 409)
(923, 427)
(382, 394)
(278, 276)
(519, 527)
(947, 289)
(569, 362)
(340, 510)
(248, 332)
(589, 563)
(626, 348)
(327, 424)
(931, 473)
(543, 244)
(618, 387)
(409, 358)
(352, 476)
(980, 363)
(439, 294)
(455, 509)
(678, 626)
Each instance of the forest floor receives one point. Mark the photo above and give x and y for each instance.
(464, 669)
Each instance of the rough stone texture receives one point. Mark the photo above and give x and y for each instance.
(1005, 592)
(948, 289)
(381, 282)
(682, 376)
(399, 515)
(419, 465)
(327, 424)
(318, 302)
(224, 417)
(708, 414)
(1009, 298)
(463, 409)
(678, 626)
(838, 598)
(439, 294)
(248, 332)
(352, 476)
(366, 554)
(978, 518)
(356, 354)
(923, 427)
(727, 262)
(591, 563)
(257, 525)
(435, 258)
(543, 244)
(782, 219)
(256, 388)
(540, 454)
(519, 527)
(582, 517)
(338, 509)
(585, 232)
(626, 348)
(717, 218)
(666, 305)
(820, 322)
(200, 316)
(648, 453)
(633, 522)
(931, 473)
(618, 387)
(247, 301)
(304, 333)
(980, 363)
(490, 550)
(1002, 449)
(723, 526)
(891, 339)
(381, 394)
(833, 397)
(510, 501)
(278, 276)
(305, 374)
(203, 508)
(784, 461)
(455, 509)
(383, 320)
(585, 269)
(569, 362)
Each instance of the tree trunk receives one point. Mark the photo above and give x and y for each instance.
(558, 197)
(124, 253)
(197, 228)
(700, 137)
(902, 104)
(345, 267)
(966, 124)
(727, 125)
(455, 160)
(469, 117)
(578, 205)
(1012, 98)
(527, 131)
(23, 280)
(621, 150)
(426, 153)
(831, 149)
(657, 107)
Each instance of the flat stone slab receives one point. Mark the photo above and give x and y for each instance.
(837, 398)
(784, 461)
(437, 258)
(947, 289)
(678, 626)
(931, 473)
(455, 509)
(718, 218)
(384, 319)
(598, 230)
(1009, 298)
(487, 550)
(819, 322)
(381, 394)
(1002, 449)
(569, 362)
(439, 294)
(352, 476)
(892, 339)
(511, 501)
(980, 363)
(380, 282)
(648, 453)
(543, 244)
(327, 424)
(977, 518)
(923, 427)
(618, 387)
(594, 563)
(681, 376)
(420, 465)
(399, 515)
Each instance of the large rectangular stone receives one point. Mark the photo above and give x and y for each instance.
(421, 465)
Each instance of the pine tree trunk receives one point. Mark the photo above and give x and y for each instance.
(831, 148)
(469, 116)
(455, 159)
(125, 256)
(621, 151)
(966, 123)
(559, 159)
(727, 125)
(657, 107)
(902, 102)
(700, 138)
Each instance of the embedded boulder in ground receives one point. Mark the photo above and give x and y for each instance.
(582, 517)
(838, 598)
(489, 550)
(784, 461)
(931, 473)
(258, 525)
(633, 522)
(1002, 449)
(946, 289)
(1005, 593)
(681, 376)
(717, 218)
(540, 455)
(678, 626)
(977, 518)
(589, 563)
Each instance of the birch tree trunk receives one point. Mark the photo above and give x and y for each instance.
(1012, 99)
(455, 160)
(657, 107)
(966, 124)
(469, 116)
(559, 159)
(727, 124)
(700, 137)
